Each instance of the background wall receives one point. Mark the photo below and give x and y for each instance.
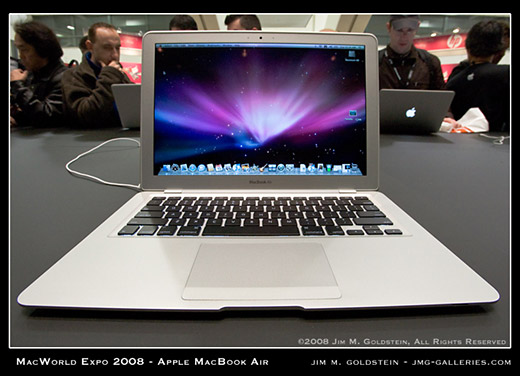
(441, 34)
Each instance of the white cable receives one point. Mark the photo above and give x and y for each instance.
(74, 172)
(497, 140)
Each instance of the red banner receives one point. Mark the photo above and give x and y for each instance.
(131, 41)
(442, 42)
(132, 69)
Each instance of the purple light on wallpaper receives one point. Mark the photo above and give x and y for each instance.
(253, 110)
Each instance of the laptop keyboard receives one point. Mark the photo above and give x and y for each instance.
(260, 216)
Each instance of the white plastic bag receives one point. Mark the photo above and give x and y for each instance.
(473, 121)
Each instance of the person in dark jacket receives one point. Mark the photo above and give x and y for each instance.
(36, 97)
(480, 82)
(87, 88)
(402, 65)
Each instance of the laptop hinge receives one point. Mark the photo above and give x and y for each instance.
(347, 191)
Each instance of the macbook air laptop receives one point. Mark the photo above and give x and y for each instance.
(259, 165)
(413, 111)
(128, 103)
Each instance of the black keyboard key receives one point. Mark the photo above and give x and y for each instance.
(128, 230)
(307, 222)
(270, 222)
(355, 232)
(251, 222)
(376, 231)
(148, 221)
(334, 230)
(152, 208)
(371, 214)
(325, 222)
(225, 215)
(232, 222)
(312, 230)
(147, 231)
(343, 222)
(288, 222)
(189, 231)
(360, 201)
(195, 222)
(393, 231)
(372, 221)
(149, 214)
(251, 231)
(214, 222)
(177, 222)
(167, 231)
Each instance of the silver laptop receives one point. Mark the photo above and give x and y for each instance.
(259, 173)
(413, 111)
(128, 103)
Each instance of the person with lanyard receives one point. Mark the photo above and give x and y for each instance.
(402, 65)
(87, 88)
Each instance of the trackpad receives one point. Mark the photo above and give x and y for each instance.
(262, 271)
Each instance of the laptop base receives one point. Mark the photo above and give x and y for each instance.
(161, 274)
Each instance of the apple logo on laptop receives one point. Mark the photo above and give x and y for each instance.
(410, 113)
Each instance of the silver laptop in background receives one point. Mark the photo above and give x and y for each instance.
(413, 111)
(128, 103)
(260, 169)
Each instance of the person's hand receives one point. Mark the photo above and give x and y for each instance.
(18, 75)
(114, 64)
(454, 123)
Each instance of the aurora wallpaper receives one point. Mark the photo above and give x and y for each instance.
(259, 105)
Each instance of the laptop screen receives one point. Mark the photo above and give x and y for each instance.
(259, 109)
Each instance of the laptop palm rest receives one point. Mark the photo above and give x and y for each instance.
(263, 271)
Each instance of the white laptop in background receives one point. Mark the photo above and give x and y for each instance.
(128, 103)
(260, 172)
(413, 111)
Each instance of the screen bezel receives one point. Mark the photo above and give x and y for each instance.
(150, 181)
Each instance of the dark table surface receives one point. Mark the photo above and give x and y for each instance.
(457, 186)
